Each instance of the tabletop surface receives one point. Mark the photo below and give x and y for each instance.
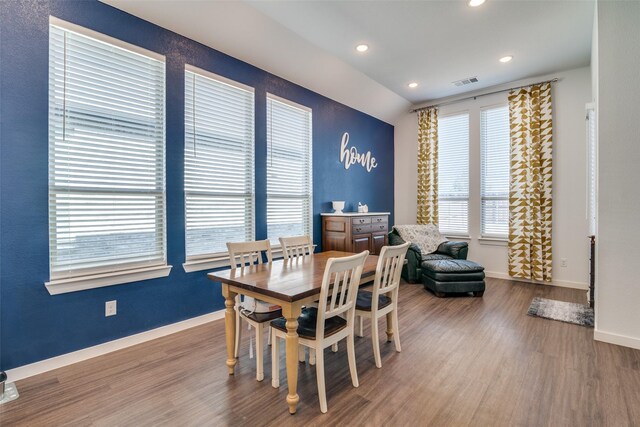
(287, 280)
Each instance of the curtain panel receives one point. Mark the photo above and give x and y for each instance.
(427, 166)
(530, 195)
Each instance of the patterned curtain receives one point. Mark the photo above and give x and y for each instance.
(428, 166)
(530, 203)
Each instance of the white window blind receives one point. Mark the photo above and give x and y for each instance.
(106, 156)
(289, 185)
(592, 168)
(494, 165)
(219, 163)
(453, 174)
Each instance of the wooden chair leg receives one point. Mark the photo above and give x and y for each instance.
(334, 348)
(375, 341)
(275, 361)
(250, 340)
(269, 335)
(351, 355)
(396, 330)
(301, 355)
(322, 393)
(259, 352)
(361, 327)
(312, 357)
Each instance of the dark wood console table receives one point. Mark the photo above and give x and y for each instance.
(355, 232)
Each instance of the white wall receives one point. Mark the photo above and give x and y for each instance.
(406, 169)
(570, 94)
(618, 97)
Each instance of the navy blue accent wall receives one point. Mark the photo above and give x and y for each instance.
(35, 325)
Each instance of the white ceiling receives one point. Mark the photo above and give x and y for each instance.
(238, 29)
(437, 42)
(431, 42)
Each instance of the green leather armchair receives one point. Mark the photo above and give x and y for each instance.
(411, 270)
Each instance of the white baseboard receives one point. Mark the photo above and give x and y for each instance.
(36, 368)
(611, 338)
(560, 283)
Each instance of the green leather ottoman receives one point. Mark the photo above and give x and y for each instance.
(453, 276)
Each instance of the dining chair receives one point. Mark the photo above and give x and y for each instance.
(242, 255)
(333, 320)
(296, 247)
(383, 299)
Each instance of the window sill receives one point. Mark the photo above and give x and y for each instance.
(493, 241)
(63, 286)
(453, 238)
(221, 260)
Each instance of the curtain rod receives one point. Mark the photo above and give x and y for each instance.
(415, 110)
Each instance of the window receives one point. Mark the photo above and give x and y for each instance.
(494, 169)
(289, 185)
(106, 161)
(453, 174)
(219, 163)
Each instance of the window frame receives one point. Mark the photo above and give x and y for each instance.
(466, 234)
(489, 238)
(219, 259)
(107, 275)
(270, 96)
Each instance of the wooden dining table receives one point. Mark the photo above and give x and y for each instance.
(290, 284)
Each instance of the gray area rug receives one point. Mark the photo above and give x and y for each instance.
(570, 312)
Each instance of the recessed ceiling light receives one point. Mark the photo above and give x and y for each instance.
(362, 47)
(412, 85)
(475, 3)
(506, 58)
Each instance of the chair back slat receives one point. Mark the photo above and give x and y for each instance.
(296, 247)
(243, 254)
(340, 287)
(335, 291)
(388, 270)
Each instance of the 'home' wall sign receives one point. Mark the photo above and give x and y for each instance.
(350, 156)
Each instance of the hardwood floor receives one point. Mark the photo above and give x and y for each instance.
(464, 361)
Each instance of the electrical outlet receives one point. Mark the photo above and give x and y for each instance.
(110, 308)
(563, 262)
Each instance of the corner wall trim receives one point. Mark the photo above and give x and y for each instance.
(612, 338)
(560, 283)
(56, 362)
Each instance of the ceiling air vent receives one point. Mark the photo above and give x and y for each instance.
(465, 82)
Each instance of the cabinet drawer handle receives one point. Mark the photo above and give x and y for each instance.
(382, 227)
(379, 219)
(361, 221)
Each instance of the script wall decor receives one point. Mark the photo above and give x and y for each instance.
(350, 156)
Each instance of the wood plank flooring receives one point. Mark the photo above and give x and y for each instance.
(464, 362)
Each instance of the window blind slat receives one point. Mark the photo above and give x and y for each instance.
(494, 167)
(106, 157)
(289, 169)
(453, 174)
(219, 163)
